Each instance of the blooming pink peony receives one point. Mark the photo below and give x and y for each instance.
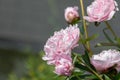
(64, 66)
(71, 14)
(61, 43)
(101, 10)
(58, 49)
(105, 60)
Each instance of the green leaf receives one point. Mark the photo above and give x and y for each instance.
(92, 37)
(83, 76)
(107, 36)
(91, 77)
(81, 66)
(118, 40)
(117, 77)
(78, 73)
(106, 44)
(75, 78)
(86, 59)
(75, 58)
(82, 40)
(105, 77)
(82, 30)
(75, 21)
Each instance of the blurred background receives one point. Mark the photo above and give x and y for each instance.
(25, 26)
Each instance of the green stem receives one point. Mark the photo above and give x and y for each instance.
(110, 28)
(96, 74)
(107, 44)
(85, 27)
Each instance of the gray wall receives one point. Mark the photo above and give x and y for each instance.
(36, 20)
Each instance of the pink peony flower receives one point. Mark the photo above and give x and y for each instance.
(58, 49)
(101, 10)
(61, 43)
(105, 60)
(64, 66)
(71, 14)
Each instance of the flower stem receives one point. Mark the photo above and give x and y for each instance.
(95, 73)
(85, 26)
(110, 28)
(82, 63)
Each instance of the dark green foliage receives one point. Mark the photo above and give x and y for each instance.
(37, 69)
(117, 77)
(82, 67)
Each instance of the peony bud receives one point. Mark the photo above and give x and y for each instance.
(71, 14)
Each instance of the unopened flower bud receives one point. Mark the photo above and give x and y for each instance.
(71, 14)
